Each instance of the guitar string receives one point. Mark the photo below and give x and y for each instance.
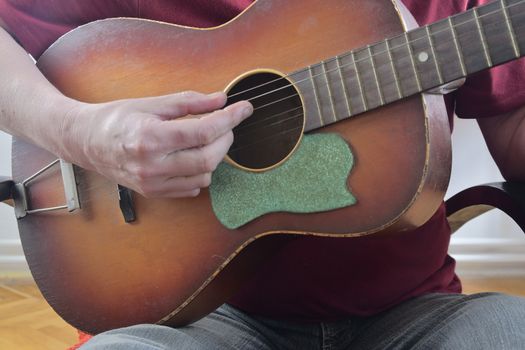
(319, 64)
(284, 131)
(401, 58)
(355, 62)
(268, 138)
(114, 192)
(273, 116)
(385, 83)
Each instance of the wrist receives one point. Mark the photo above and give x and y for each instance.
(63, 137)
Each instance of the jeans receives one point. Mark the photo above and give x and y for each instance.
(434, 321)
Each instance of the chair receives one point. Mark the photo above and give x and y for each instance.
(509, 197)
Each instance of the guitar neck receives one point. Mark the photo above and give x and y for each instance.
(416, 61)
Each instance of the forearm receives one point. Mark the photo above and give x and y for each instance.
(30, 106)
(146, 144)
(505, 137)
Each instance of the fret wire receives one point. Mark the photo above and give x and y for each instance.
(348, 53)
(451, 26)
(456, 43)
(381, 100)
(316, 95)
(432, 49)
(394, 70)
(363, 98)
(345, 90)
(482, 36)
(411, 54)
(511, 29)
(330, 97)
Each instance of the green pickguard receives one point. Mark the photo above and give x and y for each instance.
(312, 180)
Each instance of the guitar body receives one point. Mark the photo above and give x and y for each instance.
(177, 262)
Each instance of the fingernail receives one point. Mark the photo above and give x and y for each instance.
(216, 94)
(247, 111)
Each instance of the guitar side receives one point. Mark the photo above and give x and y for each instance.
(177, 261)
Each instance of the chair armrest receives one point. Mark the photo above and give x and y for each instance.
(6, 192)
(474, 201)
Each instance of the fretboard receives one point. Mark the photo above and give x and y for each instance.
(414, 62)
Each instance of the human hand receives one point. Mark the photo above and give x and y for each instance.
(164, 146)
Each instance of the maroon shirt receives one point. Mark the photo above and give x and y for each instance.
(311, 278)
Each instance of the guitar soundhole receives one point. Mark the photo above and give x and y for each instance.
(271, 134)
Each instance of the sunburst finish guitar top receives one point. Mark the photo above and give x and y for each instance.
(177, 261)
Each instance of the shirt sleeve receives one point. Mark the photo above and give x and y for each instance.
(493, 92)
(37, 24)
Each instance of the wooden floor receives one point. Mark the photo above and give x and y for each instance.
(28, 323)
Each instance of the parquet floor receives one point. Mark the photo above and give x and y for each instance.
(28, 323)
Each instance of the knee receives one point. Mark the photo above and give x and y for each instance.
(495, 306)
(490, 320)
(143, 337)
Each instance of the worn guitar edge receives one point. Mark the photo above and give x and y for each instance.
(436, 174)
(59, 40)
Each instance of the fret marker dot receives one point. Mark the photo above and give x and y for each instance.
(422, 57)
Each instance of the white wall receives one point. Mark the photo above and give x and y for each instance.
(489, 245)
(492, 244)
(12, 263)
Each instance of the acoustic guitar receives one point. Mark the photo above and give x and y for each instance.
(343, 142)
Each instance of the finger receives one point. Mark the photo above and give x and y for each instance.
(176, 194)
(177, 184)
(196, 132)
(181, 104)
(187, 183)
(193, 161)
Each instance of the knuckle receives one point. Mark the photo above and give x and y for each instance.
(186, 98)
(208, 163)
(188, 94)
(194, 193)
(139, 142)
(205, 180)
(185, 194)
(142, 173)
(148, 190)
(229, 138)
(183, 101)
(207, 133)
(183, 184)
(181, 137)
(137, 148)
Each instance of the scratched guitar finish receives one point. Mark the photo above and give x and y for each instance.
(176, 262)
